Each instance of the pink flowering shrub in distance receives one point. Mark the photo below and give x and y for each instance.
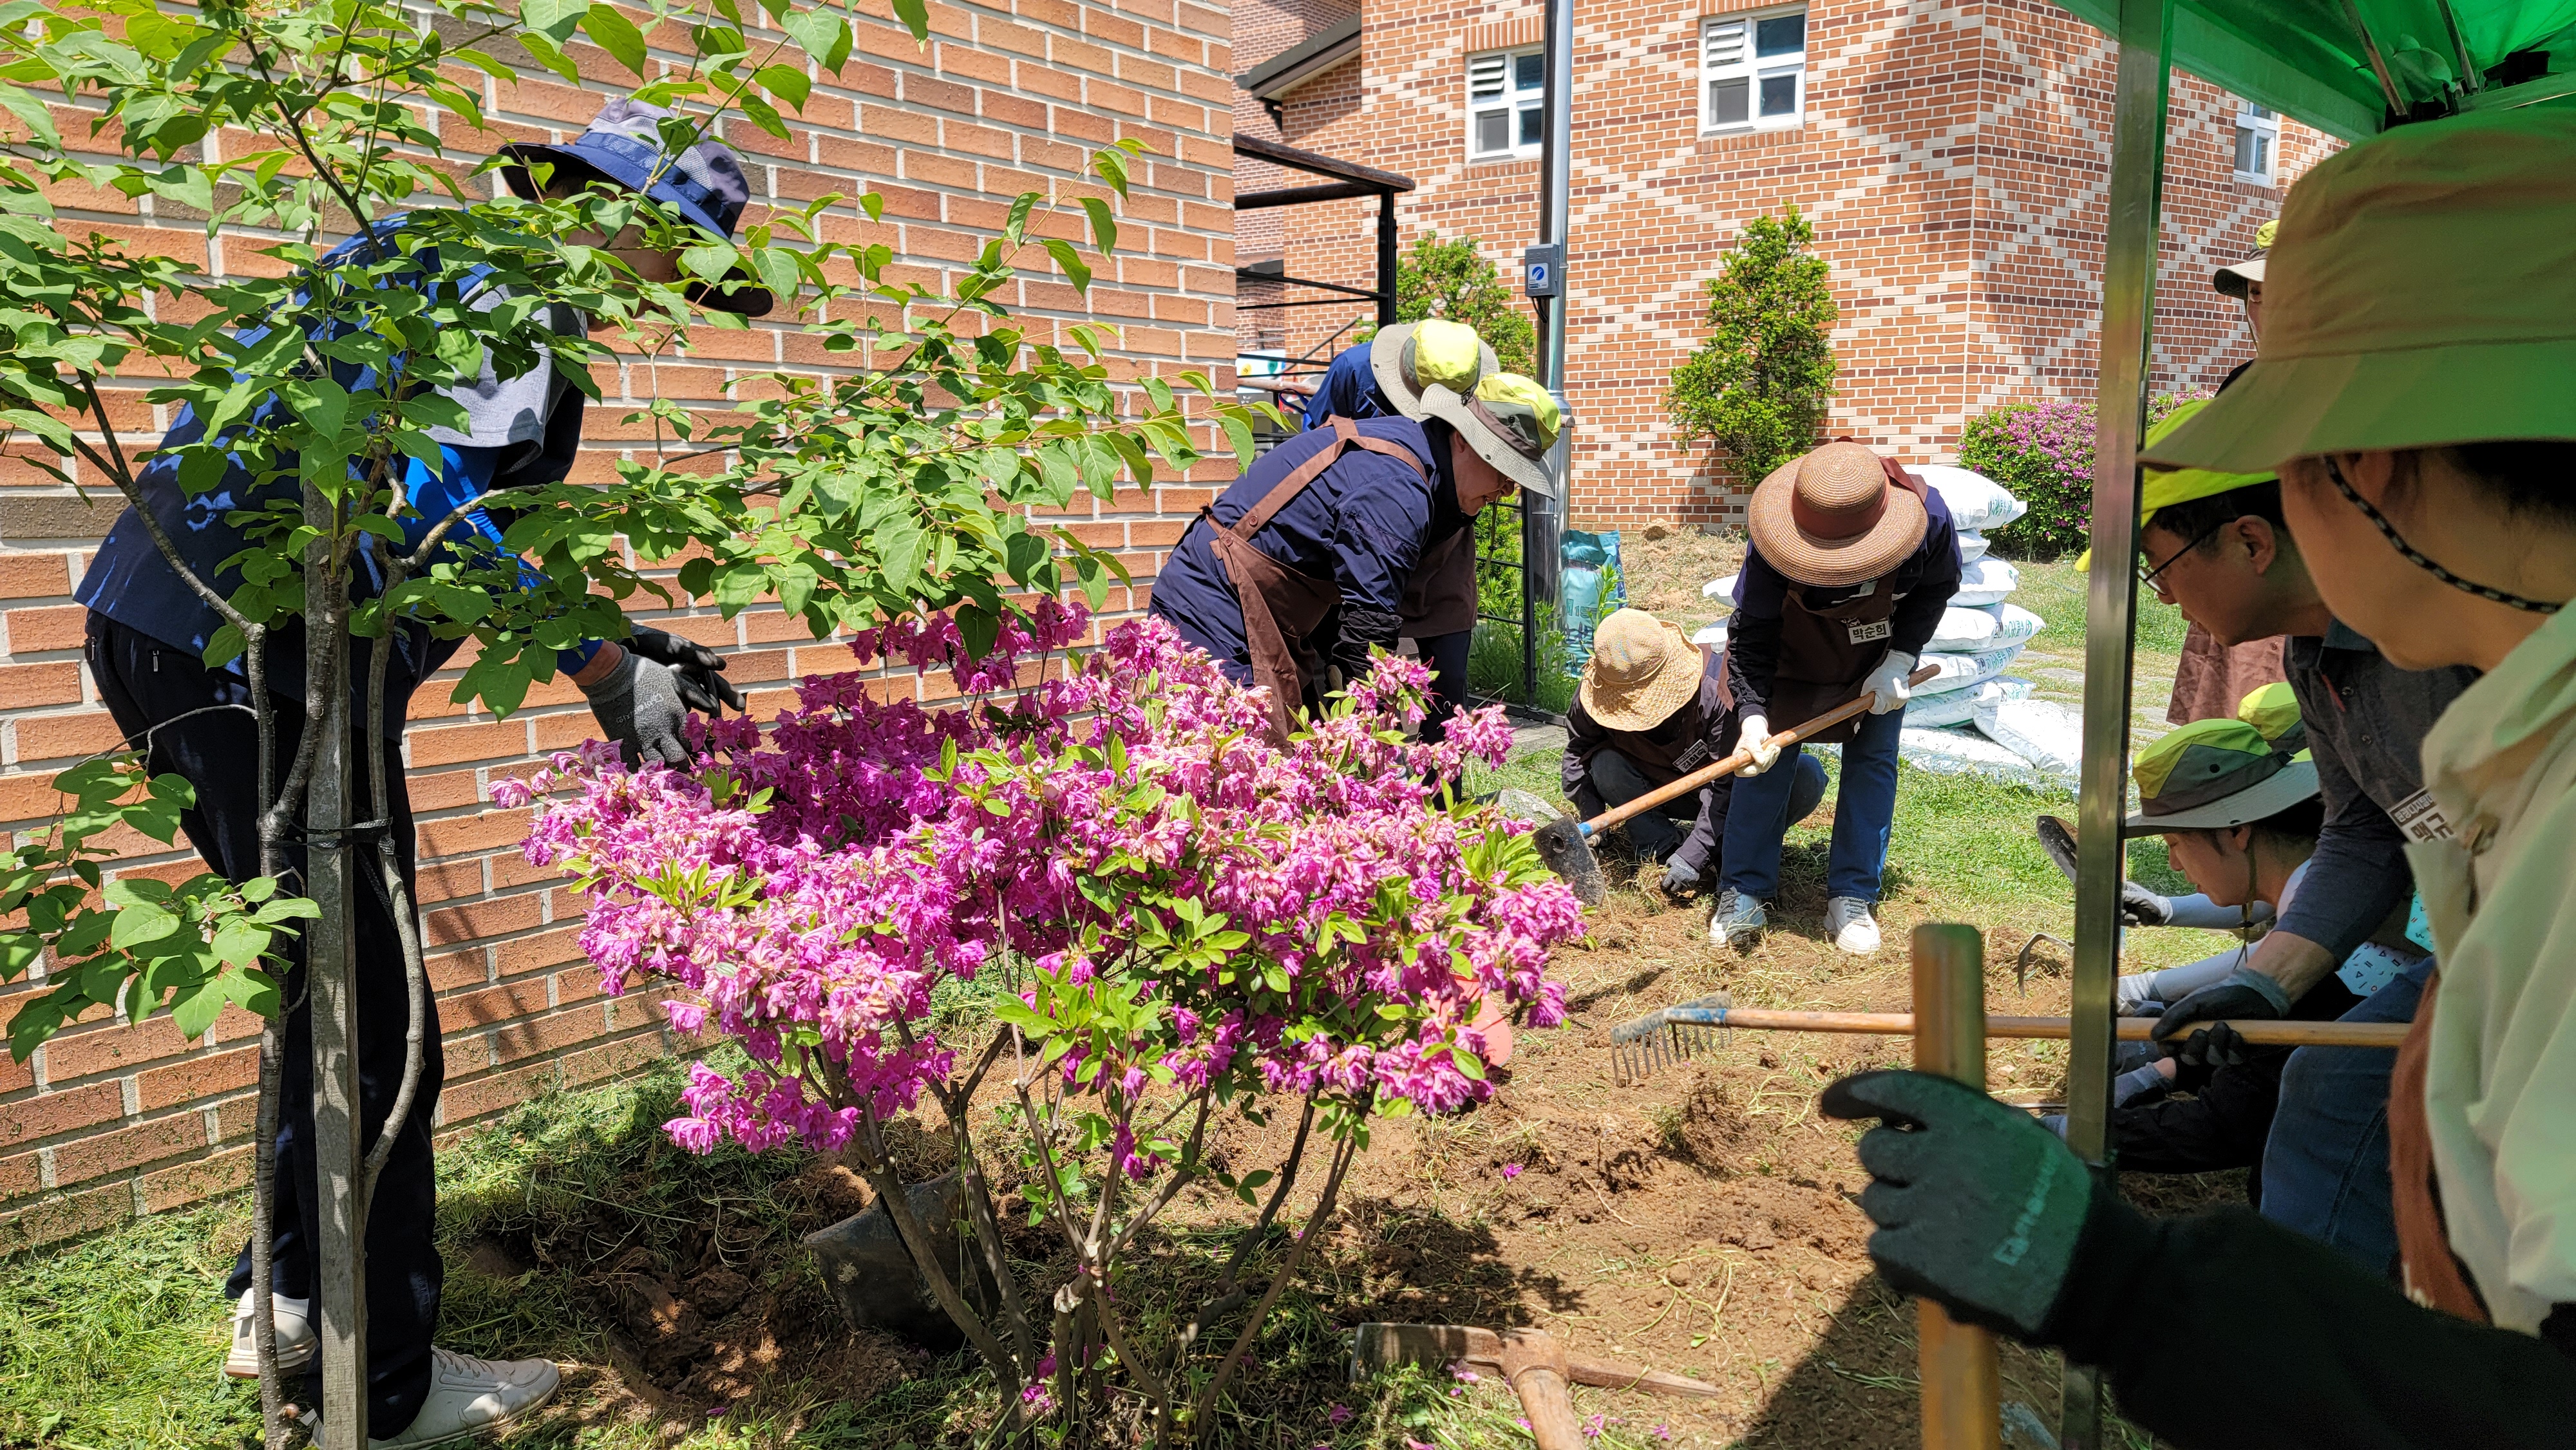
(1152, 914)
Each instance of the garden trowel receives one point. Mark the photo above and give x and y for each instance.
(1565, 844)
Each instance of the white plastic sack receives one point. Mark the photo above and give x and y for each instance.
(1972, 546)
(1720, 588)
(2049, 736)
(1958, 672)
(1975, 501)
(1964, 631)
(1986, 581)
(1965, 752)
(1959, 707)
(1712, 636)
(2014, 624)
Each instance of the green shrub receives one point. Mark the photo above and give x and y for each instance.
(1452, 279)
(1757, 387)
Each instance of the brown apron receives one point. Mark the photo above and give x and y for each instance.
(1826, 653)
(1440, 598)
(1283, 607)
(2434, 1275)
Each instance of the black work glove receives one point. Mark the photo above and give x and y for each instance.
(1362, 630)
(1680, 880)
(2141, 907)
(703, 687)
(2206, 1051)
(638, 705)
(1978, 1207)
(2245, 993)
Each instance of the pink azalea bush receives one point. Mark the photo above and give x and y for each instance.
(1159, 914)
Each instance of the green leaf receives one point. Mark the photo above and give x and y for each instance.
(554, 19)
(197, 1007)
(615, 34)
(239, 941)
(1104, 225)
(1111, 166)
(139, 924)
(786, 82)
(320, 404)
(543, 52)
(712, 262)
(1071, 261)
(823, 34)
(1022, 555)
(915, 15)
(1239, 434)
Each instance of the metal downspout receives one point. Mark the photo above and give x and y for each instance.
(2110, 618)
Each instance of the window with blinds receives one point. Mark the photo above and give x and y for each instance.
(1753, 71)
(1505, 117)
(2258, 144)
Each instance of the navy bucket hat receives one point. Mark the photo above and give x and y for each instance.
(624, 145)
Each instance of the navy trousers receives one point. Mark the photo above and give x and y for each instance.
(147, 687)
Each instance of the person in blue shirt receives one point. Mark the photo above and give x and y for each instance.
(1850, 564)
(1302, 563)
(147, 633)
(1384, 377)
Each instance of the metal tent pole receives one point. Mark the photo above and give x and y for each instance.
(2128, 314)
(1543, 519)
(1386, 268)
(332, 1006)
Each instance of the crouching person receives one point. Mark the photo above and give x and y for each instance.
(1651, 710)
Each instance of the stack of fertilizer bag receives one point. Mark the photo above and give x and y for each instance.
(1972, 718)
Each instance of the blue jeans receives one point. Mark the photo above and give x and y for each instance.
(2325, 1167)
(1864, 807)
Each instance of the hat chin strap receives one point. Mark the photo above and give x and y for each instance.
(2416, 557)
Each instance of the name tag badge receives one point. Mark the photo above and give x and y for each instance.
(1871, 632)
(2420, 818)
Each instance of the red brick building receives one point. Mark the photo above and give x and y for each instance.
(110, 1120)
(1952, 155)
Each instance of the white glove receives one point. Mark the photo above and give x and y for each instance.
(1757, 738)
(1889, 681)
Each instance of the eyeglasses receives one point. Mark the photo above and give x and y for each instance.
(2148, 577)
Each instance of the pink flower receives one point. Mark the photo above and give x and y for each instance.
(1338, 1415)
(1592, 1428)
(1511, 1171)
(1662, 1433)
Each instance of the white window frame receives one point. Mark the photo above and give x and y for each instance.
(1488, 96)
(1726, 54)
(2262, 127)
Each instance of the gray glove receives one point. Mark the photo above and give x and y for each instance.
(2141, 907)
(638, 705)
(703, 687)
(1680, 880)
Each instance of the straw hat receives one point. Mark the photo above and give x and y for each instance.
(1831, 518)
(2213, 774)
(1642, 670)
(2370, 342)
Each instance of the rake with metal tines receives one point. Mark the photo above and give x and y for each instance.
(1668, 1035)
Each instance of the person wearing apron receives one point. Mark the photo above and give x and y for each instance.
(1850, 564)
(1302, 563)
(1385, 377)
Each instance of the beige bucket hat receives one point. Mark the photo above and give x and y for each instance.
(1831, 517)
(1510, 421)
(1641, 672)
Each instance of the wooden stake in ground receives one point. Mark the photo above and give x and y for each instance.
(1961, 1380)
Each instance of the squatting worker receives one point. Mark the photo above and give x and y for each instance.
(1650, 710)
(2426, 441)
(1851, 562)
(2211, 677)
(1385, 376)
(146, 634)
(2213, 543)
(1303, 561)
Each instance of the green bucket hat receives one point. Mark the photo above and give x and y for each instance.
(1410, 356)
(2213, 774)
(2427, 297)
(1509, 420)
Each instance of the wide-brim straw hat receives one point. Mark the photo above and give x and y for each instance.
(1410, 356)
(1641, 673)
(1831, 517)
(2371, 342)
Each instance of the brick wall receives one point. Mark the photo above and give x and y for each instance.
(111, 1120)
(1953, 158)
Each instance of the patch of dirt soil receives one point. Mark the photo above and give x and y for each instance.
(1664, 566)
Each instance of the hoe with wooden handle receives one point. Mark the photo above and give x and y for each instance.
(1566, 844)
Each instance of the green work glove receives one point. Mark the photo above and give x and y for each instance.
(1978, 1207)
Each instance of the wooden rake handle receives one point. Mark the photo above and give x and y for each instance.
(1743, 758)
(2127, 1029)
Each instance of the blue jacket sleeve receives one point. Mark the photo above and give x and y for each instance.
(1349, 390)
(1753, 635)
(466, 473)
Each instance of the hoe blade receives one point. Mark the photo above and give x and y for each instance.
(1562, 845)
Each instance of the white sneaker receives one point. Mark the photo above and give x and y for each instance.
(469, 1397)
(295, 1337)
(1739, 920)
(1853, 928)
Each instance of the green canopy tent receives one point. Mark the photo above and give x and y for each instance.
(2351, 68)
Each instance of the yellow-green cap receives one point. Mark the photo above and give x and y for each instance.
(2274, 711)
(1412, 356)
(2212, 774)
(2427, 297)
(2164, 487)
